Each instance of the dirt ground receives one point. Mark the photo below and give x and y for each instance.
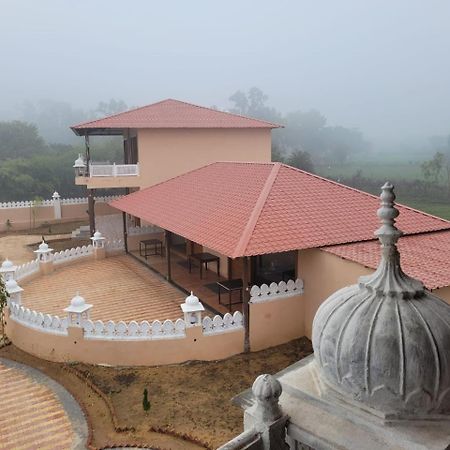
(192, 399)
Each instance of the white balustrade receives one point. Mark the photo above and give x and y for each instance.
(33, 319)
(276, 290)
(133, 330)
(64, 201)
(72, 254)
(223, 324)
(113, 170)
(27, 269)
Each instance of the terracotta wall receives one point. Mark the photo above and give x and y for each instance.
(195, 346)
(276, 321)
(166, 153)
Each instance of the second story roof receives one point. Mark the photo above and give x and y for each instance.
(169, 114)
(244, 209)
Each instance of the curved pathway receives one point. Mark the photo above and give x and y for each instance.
(36, 412)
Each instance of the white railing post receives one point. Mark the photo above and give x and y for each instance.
(56, 205)
(114, 170)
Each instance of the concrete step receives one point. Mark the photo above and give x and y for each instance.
(82, 232)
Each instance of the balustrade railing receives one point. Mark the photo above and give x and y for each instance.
(113, 170)
(276, 290)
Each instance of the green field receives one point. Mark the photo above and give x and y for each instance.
(392, 171)
(376, 170)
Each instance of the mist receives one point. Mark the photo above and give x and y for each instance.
(381, 67)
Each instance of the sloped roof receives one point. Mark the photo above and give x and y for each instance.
(423, 256)
(245, 209)
(172, 114)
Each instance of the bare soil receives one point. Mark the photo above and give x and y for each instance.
(191, 400)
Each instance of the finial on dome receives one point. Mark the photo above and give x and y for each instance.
(389, 278)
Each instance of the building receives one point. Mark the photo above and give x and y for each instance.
(268, 223)
(380, 373)
(166, 139)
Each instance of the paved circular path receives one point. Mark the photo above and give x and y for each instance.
(36, 412)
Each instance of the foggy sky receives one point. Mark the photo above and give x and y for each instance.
(381, 66)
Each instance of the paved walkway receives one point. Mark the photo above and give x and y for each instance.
(120, 288)
(36, 412)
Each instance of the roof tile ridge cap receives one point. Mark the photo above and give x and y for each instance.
(366, 193)
(241, 246)
(276, 125)
(118, 114)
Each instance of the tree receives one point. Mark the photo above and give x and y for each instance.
(3, 302)
(19, 139)
(432, 169)
(145, 402)
(112, 107)
(301, 160)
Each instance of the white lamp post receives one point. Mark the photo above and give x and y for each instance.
(98, 241)
(7, 270)
(77, 311)
(192, 310)
(14, 291)
(44, 252)
(80, 166)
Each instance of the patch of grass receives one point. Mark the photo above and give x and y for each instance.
(436, 209)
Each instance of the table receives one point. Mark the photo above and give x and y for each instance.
(147, 244)
(230, 286)
(204, 258)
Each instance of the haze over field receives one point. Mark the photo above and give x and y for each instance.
(382, 66)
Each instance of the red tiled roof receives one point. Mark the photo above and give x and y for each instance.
(173, 114)
(423, 256)
(244, 209)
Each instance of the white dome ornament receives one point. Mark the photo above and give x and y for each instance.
(192, 309)
(385, 342)
(78, 311)
(7, 270)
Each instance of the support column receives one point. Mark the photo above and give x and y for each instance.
(168, 257)
(91, 208)
(246, 299)
(125, 231)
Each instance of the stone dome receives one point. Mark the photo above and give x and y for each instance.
(97, 235)
(385, 341)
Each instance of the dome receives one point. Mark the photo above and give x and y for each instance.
(43, 246)
(192, 300)
(77, 301)
(97, 235)
(385, 341)
(79, 162)
(7, 265)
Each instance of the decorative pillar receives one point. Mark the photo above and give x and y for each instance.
(14, 291)
(266, 416)
(57, 205)
(78, 311)
(98, 242)
(192, 309)
(45, 257)
(7, 270)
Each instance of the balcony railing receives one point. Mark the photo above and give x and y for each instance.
(113, 170)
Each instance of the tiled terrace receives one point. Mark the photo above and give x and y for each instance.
(120, 288)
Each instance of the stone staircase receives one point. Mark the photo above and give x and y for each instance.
(82, 232)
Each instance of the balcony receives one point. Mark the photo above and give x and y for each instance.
(106, 175)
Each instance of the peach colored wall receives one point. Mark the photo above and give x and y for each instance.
(195, 346)
(276, 322)
(108, 182)
(165, 153)
(22, 218)
(323, 274)
(443, 293)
